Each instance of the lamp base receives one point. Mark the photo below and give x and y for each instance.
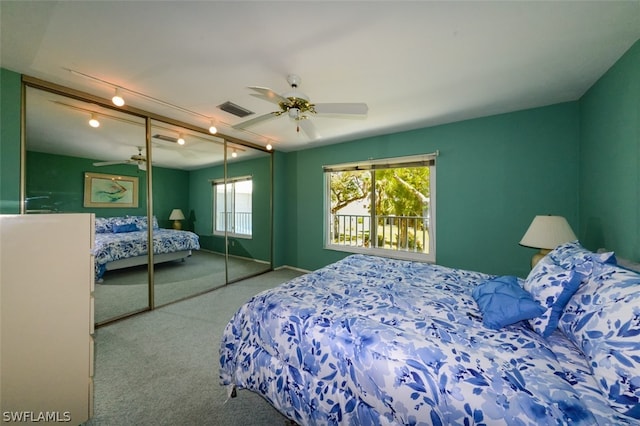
(539, 255)
(177, 224)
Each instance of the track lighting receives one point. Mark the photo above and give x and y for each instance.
(269, 146)
(234, 154)
(117, 99)
(93, 122)
(180, 139)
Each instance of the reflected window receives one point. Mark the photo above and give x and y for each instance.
(239, 217)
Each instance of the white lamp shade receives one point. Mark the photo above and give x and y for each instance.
(176, 214)
(548, 232)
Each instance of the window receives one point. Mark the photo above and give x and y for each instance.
(383, 207)
(238, 206)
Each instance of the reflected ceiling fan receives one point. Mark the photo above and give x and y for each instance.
(298, 106)
(138, 159)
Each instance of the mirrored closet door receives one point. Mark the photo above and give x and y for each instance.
(80, 157)
(248, 211)
(181, 207)
(208, 213)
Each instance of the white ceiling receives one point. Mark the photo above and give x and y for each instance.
(415, 64)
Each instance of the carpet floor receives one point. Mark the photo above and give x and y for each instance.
(162, 368)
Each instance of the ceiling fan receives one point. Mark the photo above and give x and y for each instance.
(138, 159)
(298, 106)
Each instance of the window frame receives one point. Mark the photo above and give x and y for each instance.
(224, 182)
(426, 160)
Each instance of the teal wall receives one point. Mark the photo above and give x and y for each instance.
(9, 142)
(171, 191)
(61, 178)
(610, 159)
(493, 176)
(201, 195)
(283, 210)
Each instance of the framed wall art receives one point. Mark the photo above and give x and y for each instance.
(103, 190)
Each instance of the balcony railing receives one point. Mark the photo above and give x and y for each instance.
(403, 233)
(239, 222)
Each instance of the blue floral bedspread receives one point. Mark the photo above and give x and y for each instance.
(370, 340)
(116, 246)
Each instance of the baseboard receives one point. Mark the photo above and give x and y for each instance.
(304, 271)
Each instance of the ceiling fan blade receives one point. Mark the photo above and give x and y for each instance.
(309, 129)
(109, 163)
(341, 108)
(267, 94)
(142, 165)
(256, 120)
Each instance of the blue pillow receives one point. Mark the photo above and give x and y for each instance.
(552, 285)
(126, 227)
(502, 302)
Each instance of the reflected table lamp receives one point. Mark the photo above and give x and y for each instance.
(546, 233)
(176, 216)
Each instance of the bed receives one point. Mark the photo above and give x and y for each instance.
(121, 242)
(371, 340)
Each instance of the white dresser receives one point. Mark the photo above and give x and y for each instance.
(46, 318)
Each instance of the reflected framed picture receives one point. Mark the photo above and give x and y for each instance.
(103, 190)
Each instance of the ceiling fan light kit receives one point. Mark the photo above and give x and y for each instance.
(298, 106)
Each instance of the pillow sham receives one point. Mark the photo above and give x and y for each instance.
(106, 224)
(603, 320)
(102, 225)
(503, 302)
(142, 223)
(552, 286)
(573, 255)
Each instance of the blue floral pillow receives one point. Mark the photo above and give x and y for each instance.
(107, 224)
(102, 225)
(503, 302)
(572, 255)
(142, 223)
(552, 286)
(603, 320)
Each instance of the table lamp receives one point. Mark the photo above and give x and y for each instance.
(176, 216)
(546, 233)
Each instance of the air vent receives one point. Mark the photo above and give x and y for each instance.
(234, 109)
(165, 138)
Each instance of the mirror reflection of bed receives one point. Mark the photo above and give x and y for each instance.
(61, 148)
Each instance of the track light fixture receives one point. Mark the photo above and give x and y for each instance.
(181, 139)
(117, 99)
(93, 121)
